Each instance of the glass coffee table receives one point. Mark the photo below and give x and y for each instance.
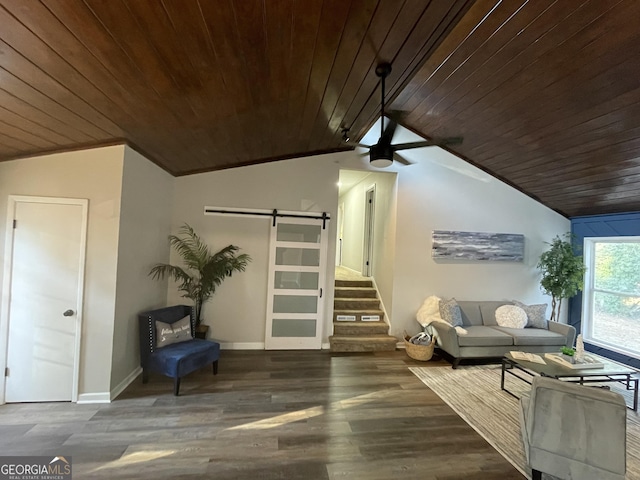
(608, 373)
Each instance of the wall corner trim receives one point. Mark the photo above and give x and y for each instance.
(87, 398)
(125, 383)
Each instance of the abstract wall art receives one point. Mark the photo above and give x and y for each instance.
(474, 246)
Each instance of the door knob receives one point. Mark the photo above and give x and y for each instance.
(68, 313)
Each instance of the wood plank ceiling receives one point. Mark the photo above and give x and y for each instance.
(547, 96)
(546, 93)
(200, 85)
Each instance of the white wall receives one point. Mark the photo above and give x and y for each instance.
(145, 224)
(442, 192)
(236, 313)
(95, 175)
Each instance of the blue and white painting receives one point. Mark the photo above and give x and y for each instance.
(494, 247)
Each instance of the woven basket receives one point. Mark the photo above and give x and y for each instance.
(419, 352)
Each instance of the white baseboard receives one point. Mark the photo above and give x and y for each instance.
(326, 346)
(86, 398)
(242, 346)
(125, 383)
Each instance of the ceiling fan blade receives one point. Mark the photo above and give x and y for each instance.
(405, 146)
(399, 116)
(448, 140)
(389, 130)
(430, 143)
(356, 144)
(400, 159)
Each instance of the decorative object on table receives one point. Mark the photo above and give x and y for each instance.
(562, 272)
(568, 354)
(453, 245)
(419, 351)
(579, 349)
(204, 271)
(587, 363)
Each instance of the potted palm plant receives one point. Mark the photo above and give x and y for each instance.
(203, 271)
(562, 272)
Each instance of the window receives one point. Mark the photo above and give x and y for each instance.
(611, 300)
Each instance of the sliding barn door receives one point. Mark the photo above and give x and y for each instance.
(297, 261)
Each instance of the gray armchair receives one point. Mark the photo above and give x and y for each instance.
(572, 431)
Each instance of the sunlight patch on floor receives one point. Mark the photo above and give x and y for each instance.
(292, 417)
(135, 458)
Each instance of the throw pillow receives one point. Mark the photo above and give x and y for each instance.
(176, 332)
(511, 316)
(450, 312)
(430, 308)
(536, 314)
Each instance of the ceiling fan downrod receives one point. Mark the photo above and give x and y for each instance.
(382, 71)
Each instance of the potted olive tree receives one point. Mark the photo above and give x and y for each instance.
(562, 272)
(203, 271)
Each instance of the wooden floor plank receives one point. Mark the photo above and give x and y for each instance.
(267, 415)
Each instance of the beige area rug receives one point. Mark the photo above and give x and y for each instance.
(474, 393)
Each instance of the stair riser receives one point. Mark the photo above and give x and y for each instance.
(353, 304)
(347, 328)
(357, 314)
(355, 293)
(354, 283)
(338, 346)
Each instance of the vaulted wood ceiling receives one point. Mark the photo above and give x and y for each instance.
(546, 93)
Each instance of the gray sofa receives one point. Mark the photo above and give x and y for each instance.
(486, 339)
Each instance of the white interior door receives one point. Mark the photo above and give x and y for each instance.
(46, 276)
(296, 284)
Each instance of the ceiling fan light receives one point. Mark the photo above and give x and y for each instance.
(381, 155)
(381, 162)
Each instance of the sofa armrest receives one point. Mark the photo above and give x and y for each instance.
(563, 329)
(446, 337)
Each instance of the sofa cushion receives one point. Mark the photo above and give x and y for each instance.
(536, 314)
(450, 312)
(176, 332)
(511, 316)
(488, 311)
(179, 359)
(470, 313)
(481, 336)
(533, 336)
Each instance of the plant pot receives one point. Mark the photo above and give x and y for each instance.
(569, 358)
(201, 331)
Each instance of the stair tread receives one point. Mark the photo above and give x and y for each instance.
(355, 288)
(366, 311)
(359, 299)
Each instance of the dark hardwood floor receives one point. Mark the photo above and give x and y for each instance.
(266, 415)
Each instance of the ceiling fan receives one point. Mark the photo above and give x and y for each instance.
(383, 153)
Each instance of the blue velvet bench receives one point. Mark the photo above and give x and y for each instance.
(177, 359)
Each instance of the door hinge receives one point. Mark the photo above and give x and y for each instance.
(15, 223)
(6, 371)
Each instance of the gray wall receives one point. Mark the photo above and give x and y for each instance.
(145, 224)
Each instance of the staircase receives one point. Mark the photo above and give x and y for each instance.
(358, 299)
